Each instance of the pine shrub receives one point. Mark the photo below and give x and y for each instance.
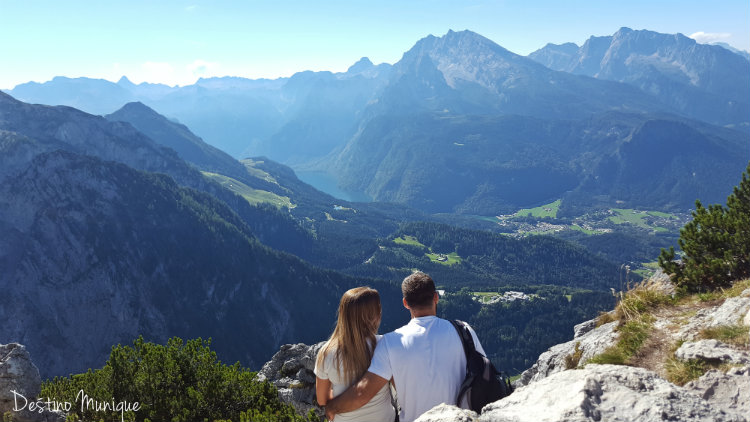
(715, 244)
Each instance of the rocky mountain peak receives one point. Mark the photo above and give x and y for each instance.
(124, 81)
(136, 109)
(467, 57)
(362, 65)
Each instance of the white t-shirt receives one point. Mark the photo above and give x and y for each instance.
(427, 362)
(379, 409)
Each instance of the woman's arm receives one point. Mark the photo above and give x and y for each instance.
(323, 391)
(356, 396)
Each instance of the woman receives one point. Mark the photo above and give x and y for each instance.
(345, 357)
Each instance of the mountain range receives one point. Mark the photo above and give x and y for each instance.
(129, 223)
(705, 82)
(106, 234)
(467, 126)
(586, 124)
(240, 116)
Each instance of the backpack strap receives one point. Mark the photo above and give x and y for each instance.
(468, 342)
(466, 339)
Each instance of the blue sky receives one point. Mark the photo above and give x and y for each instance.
(175, 41)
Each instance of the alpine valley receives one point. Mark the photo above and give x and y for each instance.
(161, 211)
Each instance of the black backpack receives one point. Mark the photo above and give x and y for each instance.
(483, 383)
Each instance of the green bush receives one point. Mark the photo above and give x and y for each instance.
(173, 382)
(716, 244)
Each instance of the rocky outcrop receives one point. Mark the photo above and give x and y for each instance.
(733, 311)
(588, 343)
(729, 391)
(291, 371)
(607, 393)
(562, 387)
(712, 350)
(20, 385)
(549, 391)
(447, 413)
(614, 393)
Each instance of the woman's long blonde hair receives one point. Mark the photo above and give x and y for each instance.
(353, 339)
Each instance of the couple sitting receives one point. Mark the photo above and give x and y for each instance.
(424, 359)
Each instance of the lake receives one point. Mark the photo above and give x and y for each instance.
(326, 182)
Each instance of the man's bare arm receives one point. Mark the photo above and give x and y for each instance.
(356, 396)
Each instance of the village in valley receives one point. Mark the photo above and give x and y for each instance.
(544, 220)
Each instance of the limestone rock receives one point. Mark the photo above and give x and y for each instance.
(584, 328)
(729, 390)
(291, 371)
(18, 373)
(712, 350)
(661, 282)
(590, 344)
(733, 311)
(607, 393)
(447, 413)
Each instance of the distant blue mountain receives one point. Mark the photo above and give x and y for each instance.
(242, 117)
(461, 124)
(467, 126)
(706, 82)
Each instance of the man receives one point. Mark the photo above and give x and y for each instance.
(425, 358)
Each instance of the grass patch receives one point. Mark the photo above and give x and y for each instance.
(408, 240)
(644, 272)
(576, 227)
(629, 216)
(638, 218)
(438, 258)
(709, 296)
(736, 335)
(632, 336)
(605, 318)
(256, 172)
(737, 288)
(450, 259)
(253, 196)
(572, 360)
(485, 294)
(638, 301)
(661, 214)
(329, 217)
(633, 313)
(548, 210)
(681, 372)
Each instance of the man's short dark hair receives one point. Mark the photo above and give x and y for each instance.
(418, 290)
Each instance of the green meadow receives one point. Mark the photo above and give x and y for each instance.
(253, 196)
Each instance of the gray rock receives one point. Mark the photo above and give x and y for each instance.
(291, 371)
(661, 282)
(606, 393)
(733, 311)
(712, 350)
(584, 328)
(19, 374)
(552, 361)
(729, 390)
(447, 413)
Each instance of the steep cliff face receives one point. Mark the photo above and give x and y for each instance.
(95, 253)
(27, 130)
